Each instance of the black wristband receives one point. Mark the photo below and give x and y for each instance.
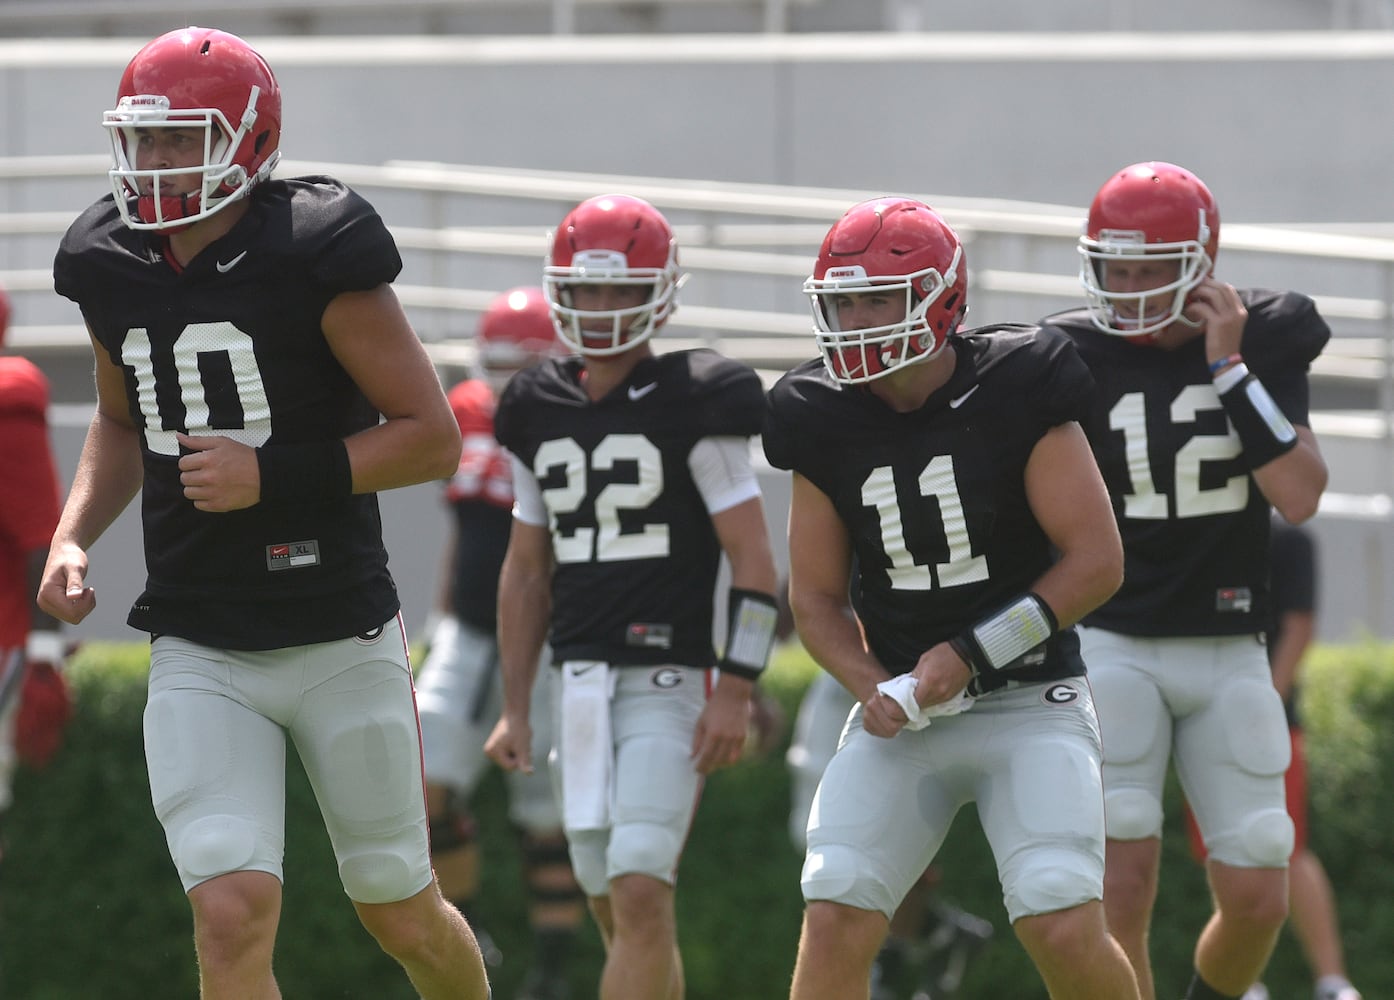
(1264, 431)
(751, 618)
(305, 473)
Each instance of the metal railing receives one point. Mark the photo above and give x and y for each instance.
(748, 244)
(467, 233)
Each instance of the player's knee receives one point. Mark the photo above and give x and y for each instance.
(216, 845)
(840, 873)
(1257, 730)
(1267, 838)
(377, 877)
(1132, 814)
(644, 848)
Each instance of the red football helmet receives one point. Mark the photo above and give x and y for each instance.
(1155, 209)
(612, 239)
(193, 78)
(516, 331)
(888, 245)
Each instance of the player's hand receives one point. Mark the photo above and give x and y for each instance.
(1219, 310)
(882, 715)
(219, 474)
(940, 674)
(510, 744)
(62, 591)
(719, 739)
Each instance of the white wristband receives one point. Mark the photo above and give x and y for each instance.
(1230, 377)
(44, 647)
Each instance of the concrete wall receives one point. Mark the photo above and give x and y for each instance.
(1284, 127)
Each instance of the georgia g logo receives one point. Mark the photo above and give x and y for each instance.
(1060, 694)
(666, 677)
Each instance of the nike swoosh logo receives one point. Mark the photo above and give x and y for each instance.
(225, 266)
(640, 391)
(581, 671)
(960, 400)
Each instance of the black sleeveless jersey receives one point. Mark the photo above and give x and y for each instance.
(1195, 525)
(231, 345)
(636, 554)
(934, 501)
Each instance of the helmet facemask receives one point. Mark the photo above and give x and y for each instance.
(1132, 320)
(516, 332)
(581, 329)
(145, 197)
(855, 357)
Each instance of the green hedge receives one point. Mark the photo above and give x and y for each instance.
(90, 904)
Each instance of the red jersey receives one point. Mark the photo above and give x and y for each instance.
(484, 472)
(29, 500)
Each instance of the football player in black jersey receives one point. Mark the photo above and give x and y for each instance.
(257, 383)
(951, 467)
(632, 476)
(1199, 423)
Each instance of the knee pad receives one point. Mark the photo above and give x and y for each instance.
(377, 877)
(1056, 880)
(645, 849)
(1267, 838)
(1131, 814)
(840, 874)
(215, 845)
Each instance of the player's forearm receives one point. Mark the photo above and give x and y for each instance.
(741, 530)
(108, 476)
(1294, 481)
(831, 635)
(524, 609)
(1082, 578)
(403, 451)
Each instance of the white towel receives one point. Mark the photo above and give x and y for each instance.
(585, 750)
(901, 690)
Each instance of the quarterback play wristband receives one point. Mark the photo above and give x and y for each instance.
(1004, 636)
(749, 632)
(305, 473)
(1264, 431)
